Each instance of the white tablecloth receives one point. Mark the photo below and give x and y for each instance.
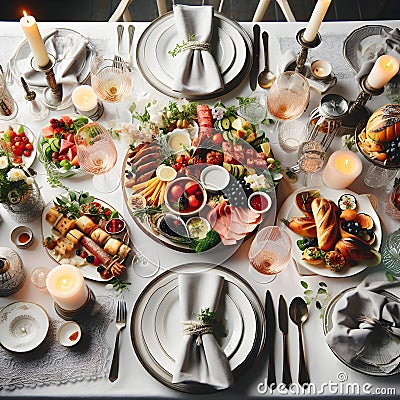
(328, 374)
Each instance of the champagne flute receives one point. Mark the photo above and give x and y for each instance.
(112, 82)
(288, 97)
(97, 155)
(269, 253)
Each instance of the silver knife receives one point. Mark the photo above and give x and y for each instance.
(271, 327)
(256, 56)
(284, 327)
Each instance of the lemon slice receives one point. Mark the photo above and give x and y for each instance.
(373, 262)
(266, 148)
(165, 173)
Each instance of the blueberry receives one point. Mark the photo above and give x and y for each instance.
(101, 268)
(78, 252)
(89, 259)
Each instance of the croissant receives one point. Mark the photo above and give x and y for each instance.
(303, 226)
(353, 250)
(325, 216)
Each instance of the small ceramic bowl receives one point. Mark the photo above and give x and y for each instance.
(259, 202)
(179, 140)
(321, 69)
(22, 237)
(115, 226)
(214, 178)
(69, 334)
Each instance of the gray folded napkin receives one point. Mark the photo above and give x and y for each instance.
(366, 324)
(69, 51)
(390, 45)
(200, 358)
(196, 72)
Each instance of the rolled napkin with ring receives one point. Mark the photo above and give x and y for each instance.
(197, 71)
(390, 46)
(69, 52)
(200, 358)
(366, 324)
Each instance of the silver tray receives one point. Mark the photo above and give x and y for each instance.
(361, 45)
(146, 333)
(157, 66)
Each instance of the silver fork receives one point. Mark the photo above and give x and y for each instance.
(120, 324)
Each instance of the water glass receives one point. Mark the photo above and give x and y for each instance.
(291, 135)
(8, 107)
(391, 253)
(269, 253)
(377, 177)
(254, 110)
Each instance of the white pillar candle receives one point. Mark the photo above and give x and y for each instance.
(67, 287)
(342, 168)
(384, 69)
(31, 31)
(316, 20)
(85, 99)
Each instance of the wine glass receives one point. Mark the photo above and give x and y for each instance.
(112, 82)
(269, 253)
(288, 97)
(311, 159)
(97, 155)
(144, 265)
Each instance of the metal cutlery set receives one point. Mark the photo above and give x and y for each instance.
(120, 33)
(298, 314)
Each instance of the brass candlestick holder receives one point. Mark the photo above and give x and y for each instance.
(303, 53)
(357, 110)
(52, 95)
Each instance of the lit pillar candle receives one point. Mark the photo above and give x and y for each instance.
(384, 69)
(67, 287)
(342, 168)
(85, 99)
(31, 31)
(316, 20)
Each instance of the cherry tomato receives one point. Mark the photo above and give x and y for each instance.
(193, 201)
(25, 139)
(17, 160)
(217, 138)
(177, 166)
(29, 146)
(27, 153)
(21, 134)
(84, 254)
(191, 187)
(397, 199)
(13, 135)
(180, 158)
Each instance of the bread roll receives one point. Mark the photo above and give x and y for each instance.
(354, 250)
(100, 236)
(112, 246)
(303, 226)
(74, 236)
(123, 251)
(85, 225)
(325, 216)
(63, 226)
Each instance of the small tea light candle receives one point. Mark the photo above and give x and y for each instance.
(316, 20)
(85, 100)
(67, 287)
(321, 69)
(342, 168)
(384, 69)
(31, 31)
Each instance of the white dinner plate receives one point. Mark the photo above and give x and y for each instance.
(357, 365)
(157, 66)
(89, 271)
(23, 326)
(156, 325)
(222, 47)
(289, 210)
(362, 44)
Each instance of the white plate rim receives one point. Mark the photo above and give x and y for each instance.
(289, 209)
(39, 313)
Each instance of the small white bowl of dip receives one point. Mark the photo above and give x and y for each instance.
(214, 178)
(179, 140)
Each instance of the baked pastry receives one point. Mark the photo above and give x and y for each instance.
(100, 236)
(303, 226)
(85, 225)
(326, 221)
(52, 216)
(123, 251)
(112, 246)
(354, 250)
(74, 236)
(334, 261)
(63, 226)
(313, 256)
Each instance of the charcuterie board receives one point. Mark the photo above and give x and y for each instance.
(87, 232)
(164, 190)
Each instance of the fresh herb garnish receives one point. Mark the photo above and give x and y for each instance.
(206, 316)
(181, 47)
(321, 297)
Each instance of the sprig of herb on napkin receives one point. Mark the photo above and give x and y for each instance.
(206, 316)
(180, 47)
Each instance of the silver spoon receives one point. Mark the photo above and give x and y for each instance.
(266, 78)
(120, 32)
(131, 32)
(298, 312)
